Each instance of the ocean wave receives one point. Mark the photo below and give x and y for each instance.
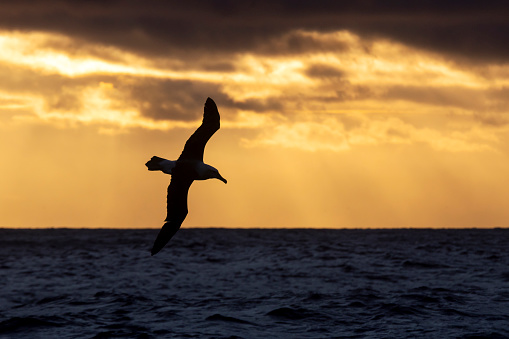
(17, 324)
(219, 317)
(218, 283)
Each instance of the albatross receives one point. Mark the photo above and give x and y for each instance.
(186, 169)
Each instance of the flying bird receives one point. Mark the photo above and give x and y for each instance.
(186, 169)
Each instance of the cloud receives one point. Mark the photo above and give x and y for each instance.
(341, 74)
(324, 71)
(300, 41)
(462, 29)
(466, 98)
(340, 134)
(165, 99)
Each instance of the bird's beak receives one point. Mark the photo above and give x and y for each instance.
(221, 178)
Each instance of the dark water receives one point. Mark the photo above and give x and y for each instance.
(217, 283)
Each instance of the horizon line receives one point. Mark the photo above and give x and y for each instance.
(256, 228)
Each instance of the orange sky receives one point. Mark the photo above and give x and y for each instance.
(328, 128)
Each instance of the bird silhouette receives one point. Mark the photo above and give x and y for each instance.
(186, 169)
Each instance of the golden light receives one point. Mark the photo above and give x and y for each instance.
(375, 132)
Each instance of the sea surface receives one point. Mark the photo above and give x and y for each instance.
(255, 283)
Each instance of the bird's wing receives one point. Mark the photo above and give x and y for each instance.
(176, 210)
(195, 145)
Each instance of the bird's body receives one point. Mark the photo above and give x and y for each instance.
(187, 168)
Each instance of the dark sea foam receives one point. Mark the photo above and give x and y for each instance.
(217, 283)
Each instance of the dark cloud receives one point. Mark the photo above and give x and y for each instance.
(496, 112)
(440, 96)
(483, 101)
(324, 71)
(159, 99)
(297, 43)
(58, 92)
(183, 100)
(487, 106)
(153, 98)
(491, 119)
(468, 29)
(333, 78)
(169, 99)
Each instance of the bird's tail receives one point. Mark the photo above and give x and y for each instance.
(161, 164)
(154, 164)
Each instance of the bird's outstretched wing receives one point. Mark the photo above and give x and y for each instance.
(195, 145)
(176, 210)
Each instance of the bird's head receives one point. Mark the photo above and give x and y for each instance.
(215, 174)
(209, 172)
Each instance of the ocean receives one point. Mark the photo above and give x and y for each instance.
(255, 283)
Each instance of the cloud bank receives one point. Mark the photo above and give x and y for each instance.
(124, 65)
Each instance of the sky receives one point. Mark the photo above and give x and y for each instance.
(334, 114)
